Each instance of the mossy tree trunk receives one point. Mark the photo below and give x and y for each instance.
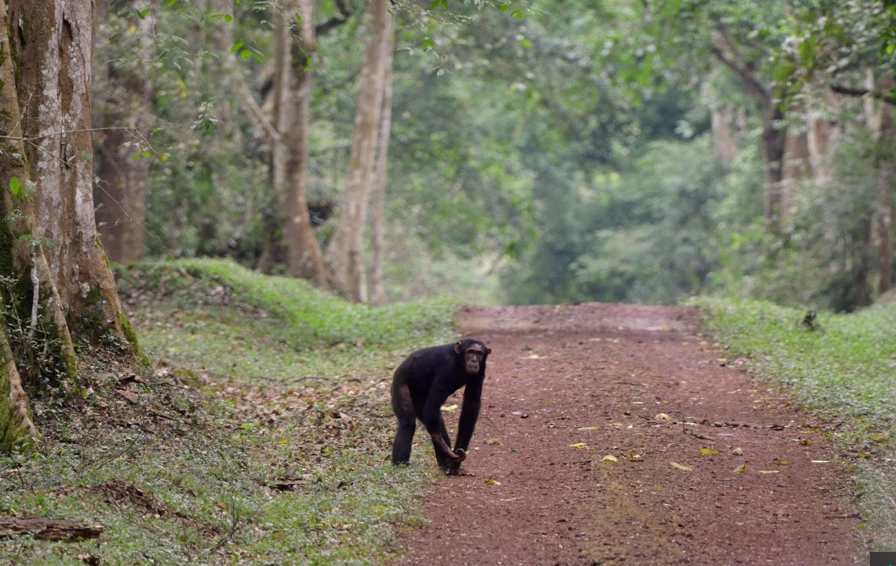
(46, 197)
(53, 45)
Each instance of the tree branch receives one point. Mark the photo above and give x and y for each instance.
(325, 27)
(885, 96)
(736, 64)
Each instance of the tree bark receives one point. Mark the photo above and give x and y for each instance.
(886, 178)
(292, 118)
(122, 131)
(31, 305)
(346, 251)
(724, 142)
(53, 41)
(378, 202)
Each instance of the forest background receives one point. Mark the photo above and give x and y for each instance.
(451, 152)
(538, 153)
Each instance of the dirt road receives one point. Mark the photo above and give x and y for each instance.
(614, 434)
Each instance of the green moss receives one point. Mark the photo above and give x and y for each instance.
(131, 335)
(14, 432)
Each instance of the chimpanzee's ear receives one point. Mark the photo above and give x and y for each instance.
(457, 347)
(488, 350)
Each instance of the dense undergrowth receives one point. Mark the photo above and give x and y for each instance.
(840, 365)
(260, 437)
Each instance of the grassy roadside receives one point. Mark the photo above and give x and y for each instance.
(260, 438)
(844, 368)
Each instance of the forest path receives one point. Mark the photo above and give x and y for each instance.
(567, 386)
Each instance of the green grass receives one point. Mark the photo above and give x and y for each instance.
(845, 370)
(248, 325)
(265, 383)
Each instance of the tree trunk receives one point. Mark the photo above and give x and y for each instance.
(796, 169)
(724, 142)
(53, 43)
(32, 310)
(120, 193)
(378, 203)
(886, 177)
(292, 111)
(346, 251)
(774, 143)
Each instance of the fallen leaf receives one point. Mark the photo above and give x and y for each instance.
(588, 428)
(681, 467)
(740, 469)
(805, 441)
(708, 451)
(449, 408)
(781, 463)
(490, 481)
(634, 457)
(821, 461)
(662, 417)
(879, 438)
(579, 445)
(769, 471)
(609, 458)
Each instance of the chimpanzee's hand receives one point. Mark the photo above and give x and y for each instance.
(454, 468)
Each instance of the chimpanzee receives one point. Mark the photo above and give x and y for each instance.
(421, 385)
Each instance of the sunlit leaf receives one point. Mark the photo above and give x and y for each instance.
(769, 471)
(579, 446)
(708, 451)
(449, 408)
(490, 481)
(588, 428)
(681, 467)
(740, 469)
(609, 458)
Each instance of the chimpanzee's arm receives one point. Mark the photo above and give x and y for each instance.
(469, 414)
(432, 420)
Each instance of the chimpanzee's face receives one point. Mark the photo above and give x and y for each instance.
(473, 357)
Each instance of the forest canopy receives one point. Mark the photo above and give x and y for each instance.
(534, 152)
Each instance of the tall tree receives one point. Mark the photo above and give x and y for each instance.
(122, 123)
(378, 200)
(292, 119)
(66, 288)
(346, 251)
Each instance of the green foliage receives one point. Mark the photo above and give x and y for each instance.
(251, 325)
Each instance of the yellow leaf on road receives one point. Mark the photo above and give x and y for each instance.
(579, 446)
(708, 451)
(588, 428)
(609, 458)
(740, 469)
(490, 481)
(781, 463)
(681, 467)
(769, 472)
(449, 408)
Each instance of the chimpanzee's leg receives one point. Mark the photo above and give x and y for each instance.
(407, 424)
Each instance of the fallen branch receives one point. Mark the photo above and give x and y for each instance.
(48, 529)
